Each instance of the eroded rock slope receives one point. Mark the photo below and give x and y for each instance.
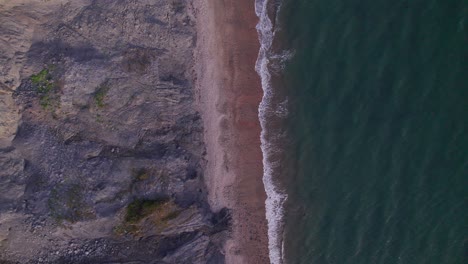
(101, 149)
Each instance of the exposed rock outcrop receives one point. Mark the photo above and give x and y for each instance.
(101, 148)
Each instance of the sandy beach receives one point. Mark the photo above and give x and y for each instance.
(229, 92)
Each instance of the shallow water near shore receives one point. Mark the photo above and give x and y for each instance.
(377, 157)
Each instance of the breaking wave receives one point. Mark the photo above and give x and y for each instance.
(274, 203)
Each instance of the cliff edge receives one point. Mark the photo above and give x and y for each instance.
(101, 148)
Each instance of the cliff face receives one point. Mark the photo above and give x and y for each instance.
(101, 148)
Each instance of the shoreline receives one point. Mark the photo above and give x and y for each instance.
(272, 108)
(229, 93)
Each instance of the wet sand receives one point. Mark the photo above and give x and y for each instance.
(229, 92)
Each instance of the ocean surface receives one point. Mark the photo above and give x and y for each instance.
(365, 130)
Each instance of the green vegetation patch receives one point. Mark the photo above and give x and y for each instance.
(100, 95)
(45, 87)
(140, 209)
(42, 80)
(156, 215)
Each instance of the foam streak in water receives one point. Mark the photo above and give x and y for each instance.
(275, 198)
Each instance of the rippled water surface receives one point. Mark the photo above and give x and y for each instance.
(378, 113)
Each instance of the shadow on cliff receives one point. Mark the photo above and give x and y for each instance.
(57, 49)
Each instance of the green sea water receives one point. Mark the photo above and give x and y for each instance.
(378, 122)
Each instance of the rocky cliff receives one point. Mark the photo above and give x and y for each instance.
(101, 148)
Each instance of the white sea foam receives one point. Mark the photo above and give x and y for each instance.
(282, 109)
(278, 61)
(275, 198)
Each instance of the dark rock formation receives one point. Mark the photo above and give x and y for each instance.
(101, 148)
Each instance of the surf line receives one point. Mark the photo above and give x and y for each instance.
(274, 204)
